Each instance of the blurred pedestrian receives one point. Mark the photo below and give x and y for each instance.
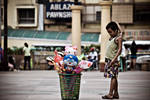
(114, 48)
(93, 57)
(12, 63)
(123, 58)
(1, 54)
(133, 57)
(27, 56)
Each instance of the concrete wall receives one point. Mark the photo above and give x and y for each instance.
(19, 42)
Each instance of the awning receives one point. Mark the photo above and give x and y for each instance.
(22, 33)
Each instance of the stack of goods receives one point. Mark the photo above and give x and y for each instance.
(68, 62)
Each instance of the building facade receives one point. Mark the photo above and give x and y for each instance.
(133, 15)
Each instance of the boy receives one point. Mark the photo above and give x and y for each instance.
(114, 48)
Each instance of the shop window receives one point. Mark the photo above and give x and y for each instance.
(26, 16)
(91, 14)
(142, 12)
(98, 15)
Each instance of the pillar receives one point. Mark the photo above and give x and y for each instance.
(105, 19)
(76, 27)
(41, 18)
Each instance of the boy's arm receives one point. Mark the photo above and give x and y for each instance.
(119, 42)
(121, 31)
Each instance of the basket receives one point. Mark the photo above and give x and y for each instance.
(70, 86)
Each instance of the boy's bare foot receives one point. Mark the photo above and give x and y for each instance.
(116, 96)
(107, 97)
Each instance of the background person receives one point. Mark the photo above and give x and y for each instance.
(133, 57)
(27, 56)
(11, 63)
(123, 58)
(93, 57)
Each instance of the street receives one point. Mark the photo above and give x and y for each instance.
(44, 85)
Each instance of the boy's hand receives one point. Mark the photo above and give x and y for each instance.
(111, 63)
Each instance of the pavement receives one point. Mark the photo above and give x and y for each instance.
(44, 85)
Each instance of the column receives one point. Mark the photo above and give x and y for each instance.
(41, 18)
(105, 19)
(76, 27)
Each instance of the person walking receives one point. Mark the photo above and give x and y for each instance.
(27, 56)
(133, 57)
(114, 48)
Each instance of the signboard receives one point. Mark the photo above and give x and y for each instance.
(59, 10)
(143, 34)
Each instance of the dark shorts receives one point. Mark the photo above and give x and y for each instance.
(133, 56)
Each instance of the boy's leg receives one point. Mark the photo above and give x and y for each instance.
(116, 94)
(110, 95)
(112, 86)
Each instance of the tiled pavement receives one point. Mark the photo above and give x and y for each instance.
(44, 85)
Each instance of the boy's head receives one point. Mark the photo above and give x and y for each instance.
(112, 28)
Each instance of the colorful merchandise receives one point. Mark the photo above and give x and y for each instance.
(68, 62)
(71, 50)
(85, 64)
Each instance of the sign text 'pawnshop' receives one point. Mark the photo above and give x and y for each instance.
(60, 10)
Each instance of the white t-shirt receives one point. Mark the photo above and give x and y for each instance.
(124, 52)
(26, 51)
(93, 54)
